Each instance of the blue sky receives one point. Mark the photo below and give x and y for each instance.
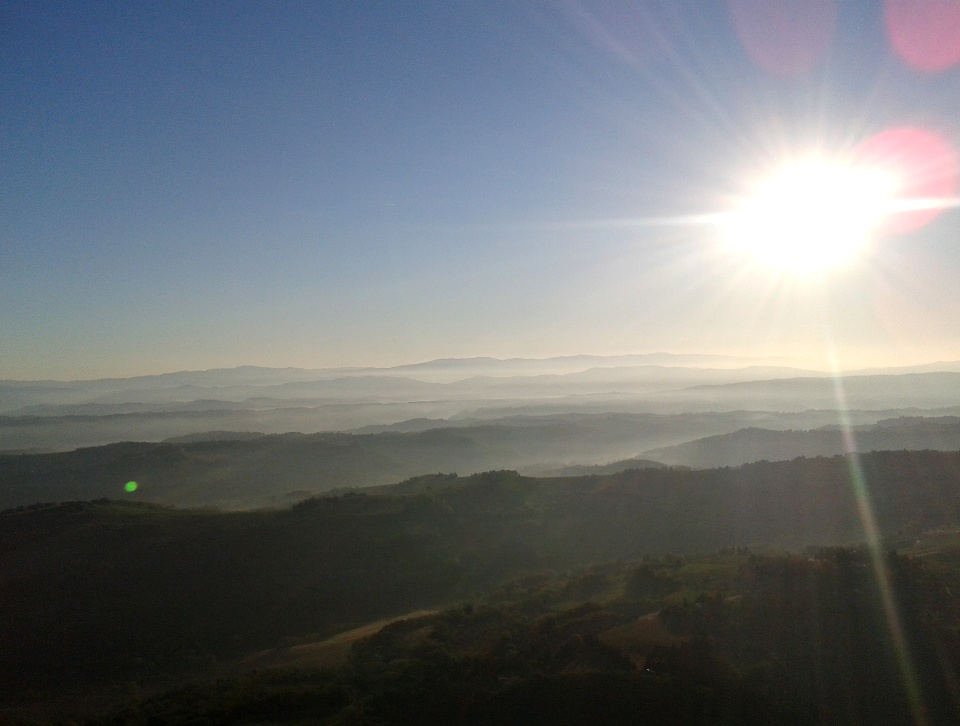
(196, 185)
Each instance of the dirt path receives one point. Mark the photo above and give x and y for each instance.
(330, 652)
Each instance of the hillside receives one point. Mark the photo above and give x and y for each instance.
(940, 433)
(614, 467)
(106, 591)
(277, 470)
(245, 470)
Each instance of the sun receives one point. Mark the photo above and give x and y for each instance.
(811, 215)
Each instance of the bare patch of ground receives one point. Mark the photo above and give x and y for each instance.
(325, 653)
(635, 640)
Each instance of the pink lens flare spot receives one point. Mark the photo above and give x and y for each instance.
(923, 167)
(785, 37)
(925, 33)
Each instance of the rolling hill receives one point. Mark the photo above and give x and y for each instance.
(109, 592)
(940, 433)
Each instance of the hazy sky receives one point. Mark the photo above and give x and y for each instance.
(196, 185)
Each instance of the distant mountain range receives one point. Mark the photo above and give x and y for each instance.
(929, 390)
(58, 415)
(448, 379)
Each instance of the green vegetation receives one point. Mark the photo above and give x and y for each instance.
(777, 640)
(651, 594)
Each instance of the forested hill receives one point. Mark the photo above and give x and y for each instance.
(756, 444)
(238, 471)
(278, 470)
(106, 589)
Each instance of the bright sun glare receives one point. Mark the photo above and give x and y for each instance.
(811, 215)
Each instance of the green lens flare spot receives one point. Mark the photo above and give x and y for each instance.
(130, 486)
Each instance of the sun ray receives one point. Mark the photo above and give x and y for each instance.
(874, 544)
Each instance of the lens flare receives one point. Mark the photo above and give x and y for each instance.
(874, 542)
(785, 37)
(925, 169)
(924, 33)
(130, 487)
